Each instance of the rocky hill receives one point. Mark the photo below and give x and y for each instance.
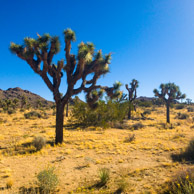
(33, 99)
(144, 98)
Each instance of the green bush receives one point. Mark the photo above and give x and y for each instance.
(32, 115)
(179, 106)
(182, 183)
(147, 112)
(47, 180)
(39, 142)
(105, 115)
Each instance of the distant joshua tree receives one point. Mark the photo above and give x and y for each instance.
(85, 68)
(188, 100)
(132, 95)
(169, 92)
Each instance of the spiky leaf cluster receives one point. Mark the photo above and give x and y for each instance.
(112, 92)
(69, 35)
(35, 48)
(85, 51)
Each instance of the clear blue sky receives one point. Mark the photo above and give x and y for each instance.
(151, 40)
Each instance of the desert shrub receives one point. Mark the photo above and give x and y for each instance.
(181, 183)
(177, 136)
(119, 125)
(187, 154)
(104, 175)
(147, 112)
(9, 105)
(137, 126)
(130, 138)
(47, 180)
(11, 111)
(22, 110)
(144, 103)
(1, 120)
(122, 185)
(103, 116)
(32, 114)
(179, 106)
(39, 142)
(45, 115)
(182, 116)
(9, 184)
(168, 125)
(190, 109)
(157, 101)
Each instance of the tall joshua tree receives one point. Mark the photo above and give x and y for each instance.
(169, 92)
(39, 53)
(132, 95)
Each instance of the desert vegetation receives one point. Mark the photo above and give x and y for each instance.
(96, 136)
(102, 152)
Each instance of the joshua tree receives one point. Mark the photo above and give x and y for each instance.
(77, 68)
(169, 92)
(188, 100)
(132, 95)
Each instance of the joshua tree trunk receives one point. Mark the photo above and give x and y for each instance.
(67, 109)
(130, 109)
(168, 113)
(59, 122)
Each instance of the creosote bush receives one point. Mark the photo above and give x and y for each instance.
(47, 180)
(32, 115)
(179, 106)
(39, 142)
(105, 115)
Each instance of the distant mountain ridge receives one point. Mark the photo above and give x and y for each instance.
(32, 99)
(144, 98)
